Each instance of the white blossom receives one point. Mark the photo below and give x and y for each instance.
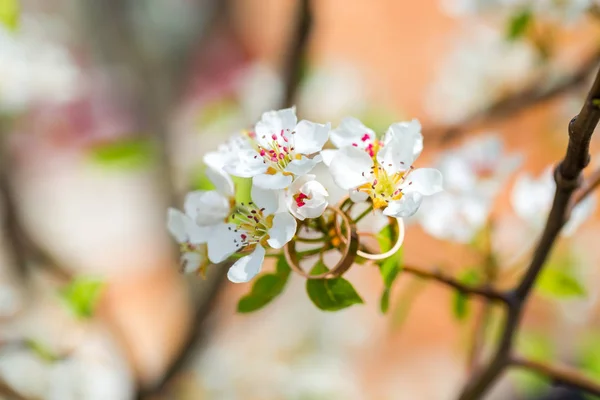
(254, 227)
(481, 68)
(306, 198)
(282, 150)
(531, 199)
(473, 175)
(352, 132)
(204, 211)
(386, 175)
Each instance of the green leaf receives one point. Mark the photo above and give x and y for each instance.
(559, 282)
(460, 302)
(41, 350)
(534, 346)
(391, 266)
(82, 295)
(126, 153)
(10, 11)
(331, 294)
(589, 356)
(384, 302)
(265, 288)
(518, 24)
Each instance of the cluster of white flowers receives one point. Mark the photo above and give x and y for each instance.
(474, 175)
(278, 155)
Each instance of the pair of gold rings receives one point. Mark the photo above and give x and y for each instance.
(348, 240)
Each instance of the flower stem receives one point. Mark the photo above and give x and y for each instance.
(363, 214)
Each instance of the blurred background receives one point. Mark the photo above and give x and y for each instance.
(106, 108)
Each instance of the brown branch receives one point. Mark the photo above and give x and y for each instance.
(559, 374)
(589, 185)
(439, 276)
(567, 176)
(295, 57)
(531, 95)
(10, 393)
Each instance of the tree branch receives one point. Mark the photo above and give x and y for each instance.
(567, 175)
(560, 374)
(439, 276)
(513, 104)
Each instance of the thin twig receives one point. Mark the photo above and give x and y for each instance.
(439, 276)
(297, 52)
(532, 95)
(568, 177)
(589, 185)
(559, 374)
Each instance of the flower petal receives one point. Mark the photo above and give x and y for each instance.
(357, 196)
(327, 155)
(405, 207)
(247, 267)
(221, 180)
(272, 182)
(191, 262)
(302, 166)
(273, 122)
(397, 155)
(176, 224)
(248, 164)
(283, 230)
(310, 137)
(426, 181)
(350, 131)
(265, 198)
(409, 132)
(223, 242)
(350, 167)
(207, 207)
(184, 229)
(313, 208)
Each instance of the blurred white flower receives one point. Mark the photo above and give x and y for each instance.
(482, 67)
(283, 150)
(204, 210)
(33, 69)
(331, 91)
(254, 227)
(531, 199)
(259, 88)
(566, 11)
(473, 175)
(306, 198)
(387, 176)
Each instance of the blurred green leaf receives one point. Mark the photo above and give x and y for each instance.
(10, 11)
(200, 181)
(126, 153)
(518, 24)
(265, 288)
(589, 358)
(558, 281)
(537, 347)
(384, 302)
(405, 299)
(460, 302)
(217, 112)
(391, 266)
(82, 295)
(41, 350)
(331, 294)
(378, 118)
